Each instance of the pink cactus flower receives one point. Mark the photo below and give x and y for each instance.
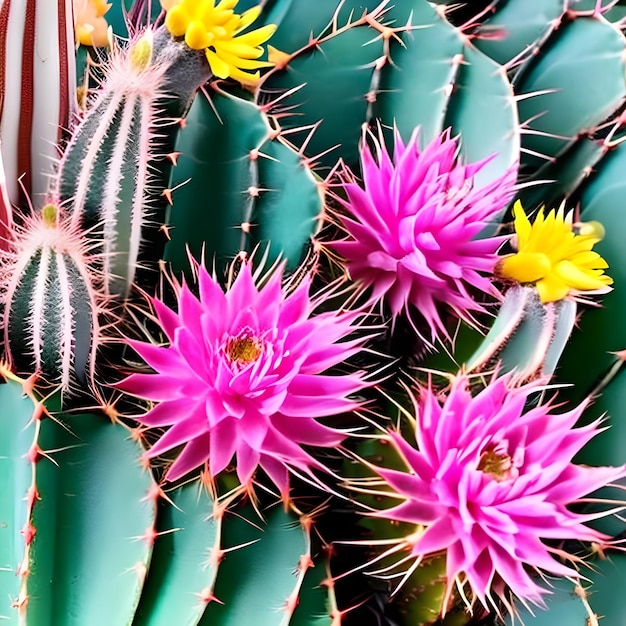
(244, 375)
(413, 228)
(489, 482)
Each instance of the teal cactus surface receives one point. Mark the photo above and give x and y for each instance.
(264, 198)
(251, 372)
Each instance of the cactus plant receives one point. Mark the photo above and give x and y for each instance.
(285, 314)
(53, 300)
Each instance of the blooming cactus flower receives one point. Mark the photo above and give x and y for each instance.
(489, 481)
(218, 30)
(556, 259)
(91, 25)
(244, 375)
(412, 229)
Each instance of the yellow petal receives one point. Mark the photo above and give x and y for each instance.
(219, 67)
(589, 260)
(576, 278)
(101, 7)
(522, 225)
(93, 34)
(249, 16)
(524, 267)
(244, 64)
(224, 19)
(196, 36)
(192, 7)
(245, 78)
(257, 37)
(241, 51)
(176, 21)
(551, 289)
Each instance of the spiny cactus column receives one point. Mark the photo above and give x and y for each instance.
(19, 453)
(106, 176)
(52, 300)
(239, 193)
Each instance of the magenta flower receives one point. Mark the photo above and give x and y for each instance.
(244, 375)
(489, 482)
(412, 231)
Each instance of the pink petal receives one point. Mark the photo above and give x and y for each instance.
(193, 456)
(223, 443)
(439, 536)
(277, 473)
(180, 433)
(247, 462)
(167, 318)
(423, 511)
(167, 412)
(152, 387)
(307, 431)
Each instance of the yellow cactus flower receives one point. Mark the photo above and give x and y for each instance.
(217, 29)
(558, 260)
(89, 22)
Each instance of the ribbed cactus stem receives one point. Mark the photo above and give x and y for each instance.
(114, 170)
(252, 199)
(125, 204)
(52, 301)
(104, 173)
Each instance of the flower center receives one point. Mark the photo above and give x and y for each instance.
(243, 350)
(496, 463)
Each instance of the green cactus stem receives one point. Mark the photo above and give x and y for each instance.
(526, 336)
(20, 425)
(239, 187)
(51, 295)
(95, 523)
(264, 551)
(403, 65)
(114, 170)
(186, 558)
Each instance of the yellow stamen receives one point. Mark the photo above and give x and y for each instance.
(49, 215)
(243, 350)
(141, 53)
(496, 465)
